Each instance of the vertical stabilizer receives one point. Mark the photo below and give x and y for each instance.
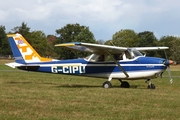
(23, 52)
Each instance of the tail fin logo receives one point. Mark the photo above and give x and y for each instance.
(20, 41)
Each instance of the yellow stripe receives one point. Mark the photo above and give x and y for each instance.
(11, 35)
(68, 44)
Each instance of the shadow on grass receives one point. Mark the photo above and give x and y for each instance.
(131, 87)
(77, 85)
(96, 86)
(19, 82)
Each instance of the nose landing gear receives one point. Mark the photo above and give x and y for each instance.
(150, 85)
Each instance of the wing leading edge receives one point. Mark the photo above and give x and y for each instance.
(93, 48)
(97, 48)
(150, 48)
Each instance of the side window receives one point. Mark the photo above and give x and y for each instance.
(118, 56)
(101, 58)
(97, 58)
(94, 58)
(126, 55)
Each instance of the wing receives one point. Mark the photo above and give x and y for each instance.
(98, 49)
(150, 48)
(93, 48)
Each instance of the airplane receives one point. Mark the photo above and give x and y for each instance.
(110, 62)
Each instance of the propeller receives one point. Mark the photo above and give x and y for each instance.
(169, 71)
(168, 63)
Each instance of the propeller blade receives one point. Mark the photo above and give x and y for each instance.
(169, 73)
(167, 63)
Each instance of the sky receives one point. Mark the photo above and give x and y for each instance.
(103, 17)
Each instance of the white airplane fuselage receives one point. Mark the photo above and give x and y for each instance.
(137, 68)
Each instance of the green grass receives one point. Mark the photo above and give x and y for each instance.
(42, 96)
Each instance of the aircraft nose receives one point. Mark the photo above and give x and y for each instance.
(168, 62)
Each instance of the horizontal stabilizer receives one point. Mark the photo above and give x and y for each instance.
(13, 64)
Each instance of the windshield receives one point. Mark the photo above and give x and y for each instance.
(92, 57)
(136, 53)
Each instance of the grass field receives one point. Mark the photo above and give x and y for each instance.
(40, 96)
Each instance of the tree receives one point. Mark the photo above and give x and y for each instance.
(175, 50)
(24, 30)
(173, 43)
(4, 44)
(39, 42)
(125, 38)
(73, 33)
(102, 42)
(37, 39)
(148, 39)
(109, 42)
(51, 49)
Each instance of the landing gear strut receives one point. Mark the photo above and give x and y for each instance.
(150, 85)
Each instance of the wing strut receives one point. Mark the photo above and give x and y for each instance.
(118, 64)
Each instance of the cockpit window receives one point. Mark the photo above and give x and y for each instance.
(88, 57)
(128, 54)
(91, 57)
(136, 53)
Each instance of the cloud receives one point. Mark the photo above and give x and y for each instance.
(104, 17)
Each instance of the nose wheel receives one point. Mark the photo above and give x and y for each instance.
(150, 85)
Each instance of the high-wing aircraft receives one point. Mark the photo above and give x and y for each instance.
(110, 62)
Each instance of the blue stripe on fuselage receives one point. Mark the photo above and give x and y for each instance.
(138, 64)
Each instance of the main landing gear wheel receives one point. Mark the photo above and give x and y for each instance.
(124, 84)
(107, 84)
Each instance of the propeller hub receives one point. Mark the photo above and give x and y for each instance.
(168, 62)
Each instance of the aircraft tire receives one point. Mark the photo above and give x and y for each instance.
(151, 86)
(107, 84)
(124, 84)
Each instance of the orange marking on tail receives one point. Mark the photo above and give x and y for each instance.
(17, 38)
(24, 48)
(30, 57)
(45, 59)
